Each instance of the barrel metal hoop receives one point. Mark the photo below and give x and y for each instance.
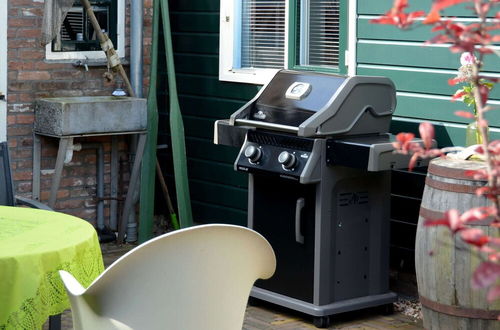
(459, 311)
(459, 188)
(450, 172)
(430, 214)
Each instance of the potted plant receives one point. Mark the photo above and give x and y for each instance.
(460, 197)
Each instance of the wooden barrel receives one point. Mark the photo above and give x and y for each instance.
(444, 264)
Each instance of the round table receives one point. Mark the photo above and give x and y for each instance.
(34, 246)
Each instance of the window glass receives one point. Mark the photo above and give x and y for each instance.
(262, 34)
(77, 32)
(318, 33)
(258, 37)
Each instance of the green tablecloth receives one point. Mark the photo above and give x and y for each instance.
(34, 246)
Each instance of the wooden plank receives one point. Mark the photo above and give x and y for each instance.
(212, 193)
(205, 149)
(408, 184)
(444, 260)
(209, 107)
(402, 259)
(197, 43)
(436, 108)
(195, 6)
(445, 135)
(218, 194)
(205, 22)
(199, 127)
(414, 54)
(405, 210)
(367, 30)
(402, 234)
(211, 86)
(370, 7)
(217, 173)
(202, 64)
(210, 213)
(202, 149)
(419, 80)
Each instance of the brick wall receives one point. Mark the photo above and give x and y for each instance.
(30, 77)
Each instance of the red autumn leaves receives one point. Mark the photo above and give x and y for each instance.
(463, 37)
(473, 38)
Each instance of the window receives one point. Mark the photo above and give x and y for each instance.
(77, 38)
(258, 37)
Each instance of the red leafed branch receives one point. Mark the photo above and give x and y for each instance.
(474, 40)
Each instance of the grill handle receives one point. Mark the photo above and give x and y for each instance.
(299, 238)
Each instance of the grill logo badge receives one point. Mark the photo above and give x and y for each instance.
(353, 198)
(259, 115)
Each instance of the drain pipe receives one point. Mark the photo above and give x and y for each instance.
(100, 182)
(136, 45)
(136, 36)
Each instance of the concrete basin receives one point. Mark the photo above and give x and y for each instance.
(63, 116)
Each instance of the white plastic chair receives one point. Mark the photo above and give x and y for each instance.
(195, 278)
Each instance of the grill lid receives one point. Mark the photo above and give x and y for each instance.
(316, 104)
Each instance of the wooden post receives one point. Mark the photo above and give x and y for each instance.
(107, 47)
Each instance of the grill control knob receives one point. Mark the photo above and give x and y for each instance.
(253, 153)
(288, 160)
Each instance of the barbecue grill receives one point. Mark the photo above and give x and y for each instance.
(318, 155)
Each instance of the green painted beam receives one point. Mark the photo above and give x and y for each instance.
(176, 127)
(219, 194)
(204, 22)
(419, 80)
(206, 43)
(415, 55)
(216, 172)
(378, 7)
(437, 109)
(209, 107)
(201, 64)
(446, 134)
(148, 168)
(211, 86)
(196, 6)
(206, 149)
(210, 213)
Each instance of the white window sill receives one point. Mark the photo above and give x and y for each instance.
(248, 76)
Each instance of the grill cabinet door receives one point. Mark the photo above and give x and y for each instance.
(275, 203)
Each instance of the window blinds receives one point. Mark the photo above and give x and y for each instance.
(319, 32)
(263, 34)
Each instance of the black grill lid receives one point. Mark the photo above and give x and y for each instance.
(316, 104)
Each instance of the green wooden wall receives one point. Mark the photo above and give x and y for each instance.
(218, 193)
(419, 71)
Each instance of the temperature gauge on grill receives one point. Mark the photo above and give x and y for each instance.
(298, 90)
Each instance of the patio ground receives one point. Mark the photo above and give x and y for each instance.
(265, 316)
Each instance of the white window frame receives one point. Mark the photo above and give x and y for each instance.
(94, 55)
(229, 16)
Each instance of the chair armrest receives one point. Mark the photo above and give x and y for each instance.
(32, 203)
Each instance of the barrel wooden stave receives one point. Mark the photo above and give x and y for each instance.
(445, 276)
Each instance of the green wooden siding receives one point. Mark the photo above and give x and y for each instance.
(419, 71)
(378, 7)
(219, 194)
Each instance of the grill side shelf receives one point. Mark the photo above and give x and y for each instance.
(372, 153)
